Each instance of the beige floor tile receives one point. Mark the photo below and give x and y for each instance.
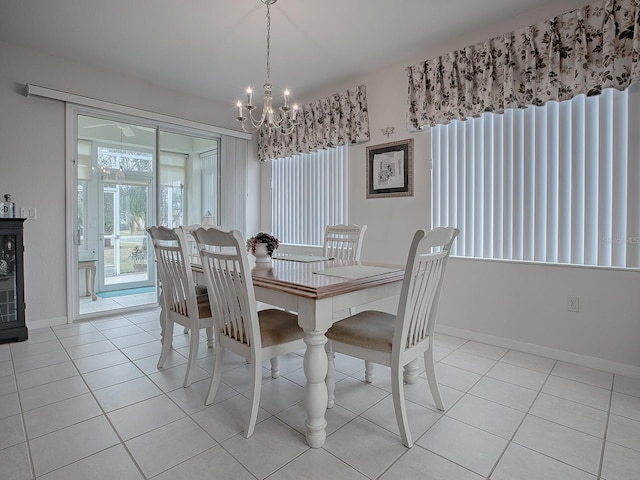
(504, 393)
(520, 463)
(562, 443)
(144, 416)
(486, 415)
(205, 464)
(423, 464)
(273, 445)
(168, 446)
(366, 447)
(463, 444)
(70, 444)
(126, 393)
(55, 416)
(112, 463)
(620, 463)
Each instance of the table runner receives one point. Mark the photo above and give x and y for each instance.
(301, 258)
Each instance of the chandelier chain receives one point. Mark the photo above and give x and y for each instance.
(286, 120)
(268, 44)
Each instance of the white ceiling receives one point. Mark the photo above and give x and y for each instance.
(215, 48)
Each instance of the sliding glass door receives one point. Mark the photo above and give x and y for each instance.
(116, 172)
(129, 176)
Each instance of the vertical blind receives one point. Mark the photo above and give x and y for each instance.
(309, 192)
(559, 183)
(210, 190)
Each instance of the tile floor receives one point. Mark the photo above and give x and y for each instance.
(102, 305)
(85, 401)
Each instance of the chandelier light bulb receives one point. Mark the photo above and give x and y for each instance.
(239, 105)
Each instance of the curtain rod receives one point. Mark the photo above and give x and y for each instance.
(44, 92)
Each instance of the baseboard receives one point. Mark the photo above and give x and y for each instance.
(46, 322)
(532, 348)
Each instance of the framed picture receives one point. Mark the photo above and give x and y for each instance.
(390, 169)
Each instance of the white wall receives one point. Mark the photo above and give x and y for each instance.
(515, 305)
(32, 156)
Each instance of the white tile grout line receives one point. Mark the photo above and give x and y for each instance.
(606, 428)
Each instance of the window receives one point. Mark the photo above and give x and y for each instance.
(124, 160)
(309, 192)
(189, 186)
(555, 184)
(172, 183)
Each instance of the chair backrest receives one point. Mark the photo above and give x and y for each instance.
(192, 248)
(178, 290)
(343, 242)
(424, 274)
(231, 294)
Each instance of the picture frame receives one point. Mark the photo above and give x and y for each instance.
(390, 169)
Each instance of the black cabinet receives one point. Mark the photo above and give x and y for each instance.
(12, 323)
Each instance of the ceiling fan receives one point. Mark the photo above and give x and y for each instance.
(126, 130)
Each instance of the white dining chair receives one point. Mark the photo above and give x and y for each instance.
(193, 257)
(192, 248)
(397, 340)
(256, 336)
(343, 242)
(181, 303)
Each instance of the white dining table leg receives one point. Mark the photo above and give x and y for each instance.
(411, 370)
(315, 391)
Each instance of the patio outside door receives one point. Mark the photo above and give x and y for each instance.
(123, 240)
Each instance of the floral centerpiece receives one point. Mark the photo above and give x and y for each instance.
(271, 242)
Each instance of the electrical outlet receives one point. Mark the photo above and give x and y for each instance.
(28, 213)
(573, 303)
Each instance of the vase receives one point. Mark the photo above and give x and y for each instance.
(261, 253)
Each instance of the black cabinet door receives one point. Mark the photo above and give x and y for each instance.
(12, 320)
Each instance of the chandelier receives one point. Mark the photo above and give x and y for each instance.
(286, 120)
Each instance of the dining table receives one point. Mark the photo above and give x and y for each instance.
(319, 290)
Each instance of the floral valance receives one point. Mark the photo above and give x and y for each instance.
(337, 120)
(583, 51)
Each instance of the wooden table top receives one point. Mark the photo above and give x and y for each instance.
(298, 278)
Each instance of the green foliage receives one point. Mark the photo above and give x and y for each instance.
(139, 254)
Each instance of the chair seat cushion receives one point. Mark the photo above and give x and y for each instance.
(202, 297)
(278, 326)
(370, 329)
(204, 309)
